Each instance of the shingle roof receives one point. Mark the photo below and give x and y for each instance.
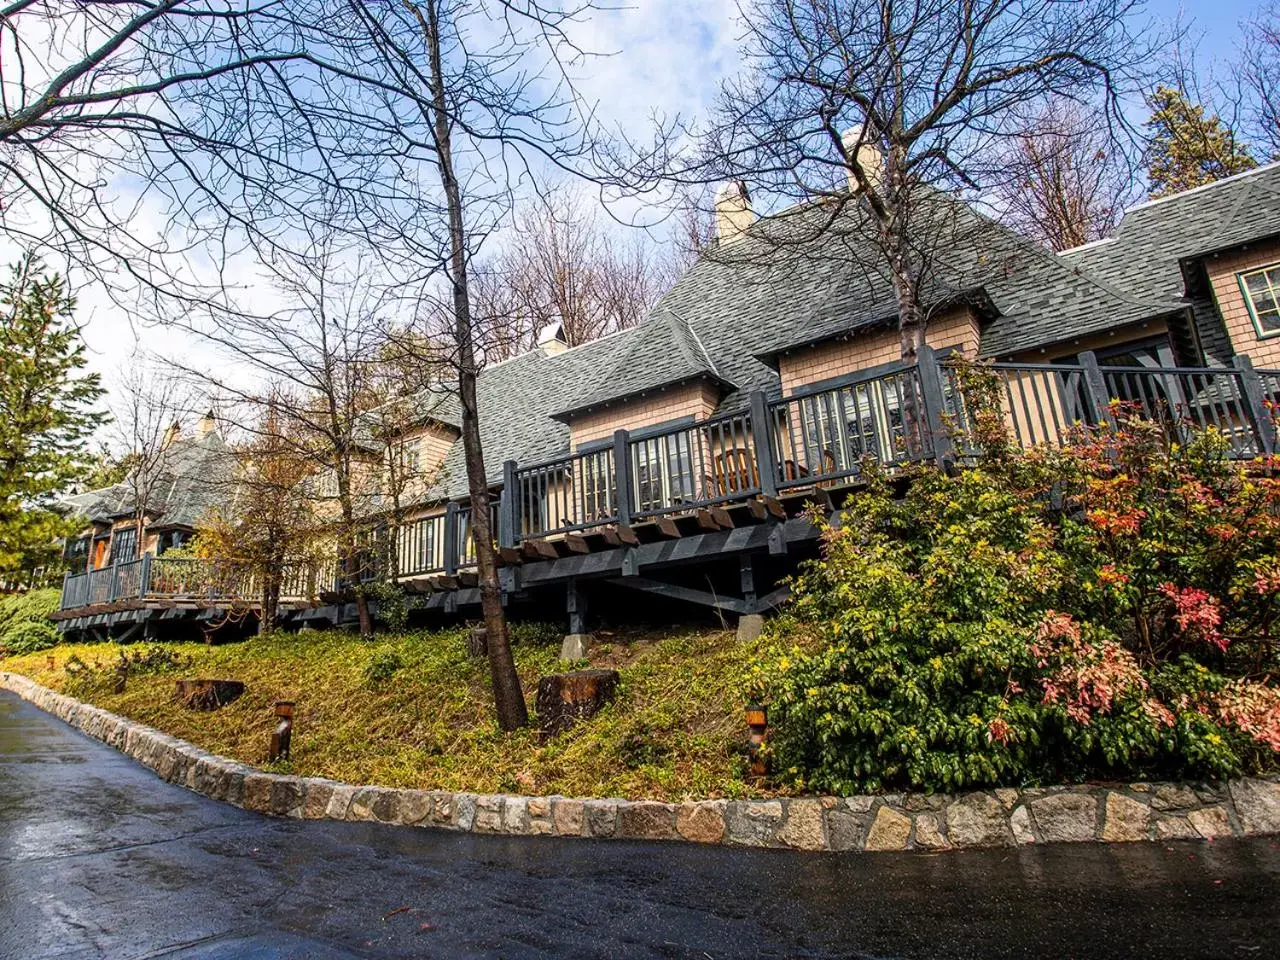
(1146, 254)
(668, 351)
(195, 475)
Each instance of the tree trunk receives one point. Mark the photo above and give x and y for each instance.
(508, 696)
(270, 601)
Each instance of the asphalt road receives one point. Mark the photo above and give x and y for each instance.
(98, 858)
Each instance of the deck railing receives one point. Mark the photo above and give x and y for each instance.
(817, 437)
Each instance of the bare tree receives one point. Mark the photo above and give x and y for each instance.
(562, 262)
(1067, 183)
(314, 366)
(482, 101)
(885, 112)
(1257, 76)
(146, 420)
(261, 522)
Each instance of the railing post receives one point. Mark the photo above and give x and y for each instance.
(762, 438)
(509, 507)
(622, 476)
(1095, 389)
(933, 392)
(451, 539)
(144, 577)
(1255, 397)
(62, 601)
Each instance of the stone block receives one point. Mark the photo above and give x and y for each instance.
(286, 797)
(646, 820)
(575, 646)
(257, 792)
(488, 817)
(1171, 796)
(464, 810)
(339, 802)
(1020, 826)
(515, 815)
(316, 794)
(567, 815)
(701, 822)
(1066, 817)
(539, 807)
(750, 626)
(889, 830)
(803, 828)
(978, 820)
(1175, 828)
(1257, 805)
(753, 823)
(415, 807)
(1211, 822)
(1125, 819)
(601, 817)
(928, 833)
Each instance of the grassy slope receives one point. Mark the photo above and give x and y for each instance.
(676, 729)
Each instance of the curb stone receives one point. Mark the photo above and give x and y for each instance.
(1004, 817)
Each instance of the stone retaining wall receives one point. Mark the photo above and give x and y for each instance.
(989, 818)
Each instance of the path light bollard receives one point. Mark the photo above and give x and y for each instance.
(53, 664)
(283, 731)
(758, 723)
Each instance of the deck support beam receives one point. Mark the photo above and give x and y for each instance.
(576, 607)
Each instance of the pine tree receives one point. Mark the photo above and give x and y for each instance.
(47, 410)
(1188, 147)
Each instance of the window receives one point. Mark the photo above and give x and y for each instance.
(596, 476)
(663, 471)
(124, 545)
(1261, 289)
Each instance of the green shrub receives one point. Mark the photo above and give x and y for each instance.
(24, 621)
(382, 666)
(1043, 617)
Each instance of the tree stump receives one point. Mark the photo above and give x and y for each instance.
(566, 698)
(478, 642)
(207, 694)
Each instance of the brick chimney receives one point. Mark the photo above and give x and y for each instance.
(860, 146)
(733, 211)
(551, 339)
(206, 426)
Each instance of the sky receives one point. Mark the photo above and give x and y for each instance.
(664, 56)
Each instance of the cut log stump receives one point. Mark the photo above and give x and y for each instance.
(478, 642)
(566, 698)
(207, 694)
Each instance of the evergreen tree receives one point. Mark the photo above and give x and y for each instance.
(47, 410)
(1188, 147)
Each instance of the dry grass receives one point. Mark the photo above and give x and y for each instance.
(676, 729)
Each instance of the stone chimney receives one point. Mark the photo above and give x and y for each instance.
(733, 211)
(551, 339)
(206, 426)
(863, 149)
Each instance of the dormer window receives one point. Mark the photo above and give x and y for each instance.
(1261, 289)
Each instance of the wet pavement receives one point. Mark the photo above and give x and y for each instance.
(98, 858)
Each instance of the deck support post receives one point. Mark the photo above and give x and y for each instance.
(933, 395)
(1255, 396)
(1095, 390)
(144, 579)
(576, 607)
(451, 539)
(508, 507)
(747, 575)
(622, 477)
(762, 440)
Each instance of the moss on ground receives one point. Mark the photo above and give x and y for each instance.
(413, 710)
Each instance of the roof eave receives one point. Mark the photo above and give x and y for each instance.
(565, 416)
